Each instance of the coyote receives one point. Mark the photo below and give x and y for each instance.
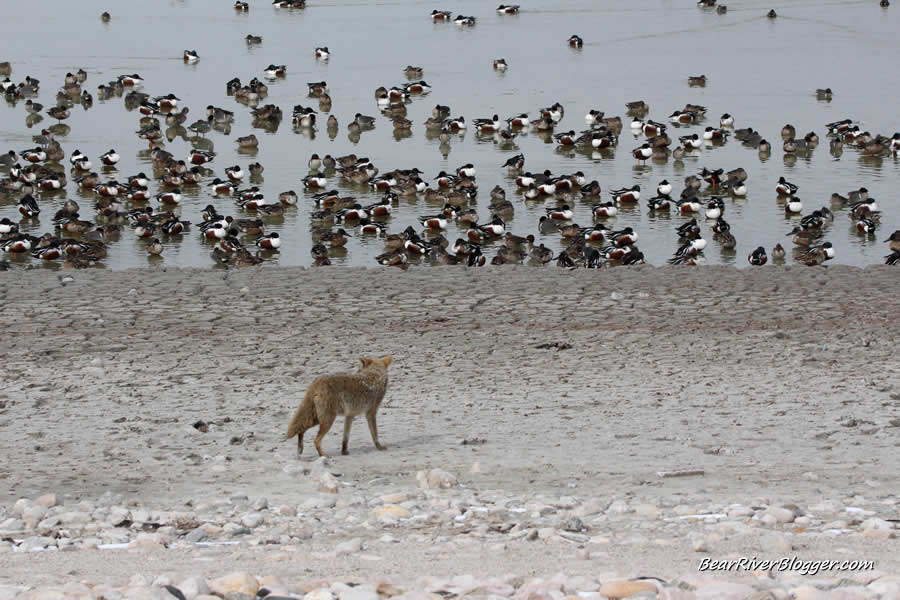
(348, 395)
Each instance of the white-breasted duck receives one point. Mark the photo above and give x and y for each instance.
(785, 188)
(632, 194)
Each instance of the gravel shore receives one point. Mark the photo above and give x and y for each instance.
(533, 420)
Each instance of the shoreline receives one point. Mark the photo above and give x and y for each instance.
(560, 393)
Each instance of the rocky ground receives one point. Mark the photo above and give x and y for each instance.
(549, 433)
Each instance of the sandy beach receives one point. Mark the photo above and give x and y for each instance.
(570, 390)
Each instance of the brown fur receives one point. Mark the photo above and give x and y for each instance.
(351, 395)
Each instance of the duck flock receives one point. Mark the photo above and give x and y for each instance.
(235, 224)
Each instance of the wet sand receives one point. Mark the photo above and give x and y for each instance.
(779, 383)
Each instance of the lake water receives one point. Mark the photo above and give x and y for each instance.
(762, 71)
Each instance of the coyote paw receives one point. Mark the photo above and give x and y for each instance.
(381, 446)
(344, 451)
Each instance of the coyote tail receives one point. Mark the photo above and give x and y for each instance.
(305, 416)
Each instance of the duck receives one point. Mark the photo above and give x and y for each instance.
(464, 21)
(491, 125)
(643, 153)
(805, 237)
(508, 9)
(894, 257)
(758, 257)
(632, 194)
(564, 213)
(793, 205)
(28, 206)
(539, 253)
(894, 241)
(191, 56)
(253, 40)
(623, 237)
(785, 188)
(661, 202)
(234, 173)
(576, 42)
(440, 15)
(273, 71)
(604, 210)
(726, 120)
(500, 64)
(323, 53)
(715, 208)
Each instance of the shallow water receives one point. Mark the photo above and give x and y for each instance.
(763, 72)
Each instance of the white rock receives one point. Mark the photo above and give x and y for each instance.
(261, 504)
(319, 594)
(775, 544)
(349, 547)
(47, 500)
(193, 587)
(436, 479)
(253, 520)
(874, 523)
(359, 592)
(781, 515)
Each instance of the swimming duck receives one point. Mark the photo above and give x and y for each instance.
(110, 158)
(793, 205)
(576, 42)
(758, 257)
(500, 64)
(508, 9)
(191, 56)
(440, 15)
(785, 188)
(273, 71)
(464, 21)
(322, 53)
(632, 194)
(805, 237)
(643, 153)
(661, 202)
(488, 125)
(772, 14)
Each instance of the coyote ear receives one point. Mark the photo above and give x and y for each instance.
(387, 360)
(366, 361)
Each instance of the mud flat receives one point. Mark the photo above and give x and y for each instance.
(530, 415)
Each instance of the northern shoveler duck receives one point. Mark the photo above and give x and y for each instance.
(191, 56)
(662, 202)
(28, 206)
(34, 155)
(714, 208)
(515, 163)
(234, 173)
(253, 40)
(713, 134)
(462, 20)
(805, 237)
(758, 257)
(643, 153)
(50, 183)
(60, 113)
(894, 241)
(785, 188)
(518, 121)
(322, 53)
(772, 14)
(564, 213)
(171, 197)
(690, 142)
(793, 205)
(637, 106)
(591, 190)
(664, 188)
(778, 252)
(440, 15)
(110, 158)
(273, 71)
(417, 88)
(789, 132)
(623, 237)
(508, 9)
(269, 242)
(894, 257)
(651, 128)
(8, 227)
(697, 80)
(412, 71)
(682, 117)
(434, 222)
(21, 243)
(632, 194)
(576, 42)
(500, 64)
(866, 225)
(604, 210)
(726, 120)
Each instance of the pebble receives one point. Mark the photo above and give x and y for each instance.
(238, 581)
(253, 520)
(436, 479)
(775, 544)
